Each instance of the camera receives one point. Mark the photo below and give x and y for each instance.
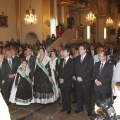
(107, 111)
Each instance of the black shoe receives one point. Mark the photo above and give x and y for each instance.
(89, 114)
(62, 110)
(69, 112)
(74, 101)
(8, 104)
(78, 111)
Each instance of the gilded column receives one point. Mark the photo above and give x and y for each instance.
(46, 18)
(18, 21)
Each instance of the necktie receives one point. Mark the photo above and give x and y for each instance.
(64, 62)
(27, 58)
(101, 67)
(10, 63)
(82, 58)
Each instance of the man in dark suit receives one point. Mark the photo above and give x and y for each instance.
(92, 50)
(65, 77)
(12, 43)
(9, 69)
(102, 75)
(15, 58)
(31, 61)
(112, 51)
(70, 21)
(74, 78)
(83, 68)
(1, 61)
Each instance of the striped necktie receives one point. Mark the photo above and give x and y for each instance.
(101, 67)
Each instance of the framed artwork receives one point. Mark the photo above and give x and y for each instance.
(3, 21)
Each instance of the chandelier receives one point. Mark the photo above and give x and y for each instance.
(90, 18)
(109, 22)
(30, 17)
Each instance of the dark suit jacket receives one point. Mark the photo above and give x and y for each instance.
(114, 51)
(91, 52)
(6, 70)
(17, 61)
(0, 78)
(84, 69)
(105, 76)
(66, 72)
(31, 64)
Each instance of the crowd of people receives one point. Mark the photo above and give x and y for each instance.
(31, 74)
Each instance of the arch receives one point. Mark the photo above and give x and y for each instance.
(31, 37)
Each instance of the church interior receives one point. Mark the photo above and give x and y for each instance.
(95, 21)
(50, 12)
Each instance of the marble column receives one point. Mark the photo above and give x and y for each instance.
(18, 19)
(64, 15)
(53, 16)
(46, 17)
(100, 24)
(83, 14)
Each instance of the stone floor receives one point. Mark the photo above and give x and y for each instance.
(44, 112)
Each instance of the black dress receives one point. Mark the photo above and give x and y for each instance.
(42, 89)
(24, 90)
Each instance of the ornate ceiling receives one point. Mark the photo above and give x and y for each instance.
(74, 3)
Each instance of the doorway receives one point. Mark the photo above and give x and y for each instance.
(31, 38)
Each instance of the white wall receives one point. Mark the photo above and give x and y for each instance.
(8, 7)
(37, 28)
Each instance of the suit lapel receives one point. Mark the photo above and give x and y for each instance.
(30, 58)
(104, 67)
(66, 62)
(98, 68)
(85, 58)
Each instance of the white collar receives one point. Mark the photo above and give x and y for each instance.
(103, 63)
(28, 56)
(84, 55)
(66, 58)
(9, 58)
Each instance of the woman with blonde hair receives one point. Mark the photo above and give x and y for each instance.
(116, 103)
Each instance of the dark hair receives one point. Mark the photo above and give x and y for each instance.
(67, 49)
(105, 53)
(29, 48)
(54, 50)
(92, 45)
(84, 46)
(25, 61)
(42, 49)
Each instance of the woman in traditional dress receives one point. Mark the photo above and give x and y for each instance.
(21, 93)
(43, 88)
(54, 62)
(116, 73)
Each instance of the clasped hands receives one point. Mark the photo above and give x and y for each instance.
(79, 79)
(11, 75)
(97, 82)
(61, 80)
